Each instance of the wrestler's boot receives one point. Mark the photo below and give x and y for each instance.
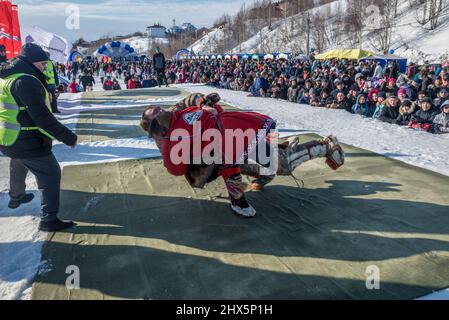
(296, 154)
(334, 153)
(236, 189)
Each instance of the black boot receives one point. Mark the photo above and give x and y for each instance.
(14, 204)
(55, 225)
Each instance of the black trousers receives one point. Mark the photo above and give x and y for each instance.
(48, 176)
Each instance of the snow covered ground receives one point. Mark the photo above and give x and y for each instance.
(21, 243)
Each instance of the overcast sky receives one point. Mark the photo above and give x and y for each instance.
(101, 17)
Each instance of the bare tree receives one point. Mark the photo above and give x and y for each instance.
(430, 12)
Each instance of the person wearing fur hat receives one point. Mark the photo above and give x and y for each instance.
(441, 121)
(423, 118)
(406, 110)
(28, 130)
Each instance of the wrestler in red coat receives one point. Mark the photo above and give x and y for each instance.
(188, 121)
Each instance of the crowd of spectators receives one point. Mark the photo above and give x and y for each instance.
(417, 97)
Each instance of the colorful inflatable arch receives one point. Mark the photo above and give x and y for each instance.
(116, 49)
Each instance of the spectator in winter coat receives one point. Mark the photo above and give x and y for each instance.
(441, 121)
(314, 97)
(378, 71)
(406, 110)
(325, 98)
(73, 86)
(391, 110)
(402, 94)
(134, 83)
(421, 96)
(107, 84)
(354, 92)
(116, 85)
(283, 89)
(261, 87)
(409, 92)
(423, 118)
(339, 87)
(305, 97)
(363, 107)
(87, 81)
(306, 88)
(341, 102)
(292, 92)
(389, 87)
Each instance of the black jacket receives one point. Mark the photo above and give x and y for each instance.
(422, 116)
(389, 114)
(29, 92)
(159, 62)
(87, 80)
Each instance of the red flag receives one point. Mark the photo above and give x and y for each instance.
(16, 40)
(6, 27)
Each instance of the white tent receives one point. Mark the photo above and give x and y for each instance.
(268, 57)
(58, 46)
(282, 56)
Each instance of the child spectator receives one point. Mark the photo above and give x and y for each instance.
(441, 121)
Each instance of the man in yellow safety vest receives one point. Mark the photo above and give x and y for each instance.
(53, 82)
(27, 127)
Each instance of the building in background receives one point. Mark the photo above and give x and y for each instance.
(156, 31)
(186, 27)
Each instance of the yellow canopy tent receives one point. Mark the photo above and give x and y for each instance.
(353, 54)
(333, 54)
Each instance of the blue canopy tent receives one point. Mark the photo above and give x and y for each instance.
(116, 49)
(385, 58)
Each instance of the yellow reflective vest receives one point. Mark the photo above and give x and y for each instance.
(10, 128)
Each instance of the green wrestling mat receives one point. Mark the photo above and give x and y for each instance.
(132, 96)
(143, 234)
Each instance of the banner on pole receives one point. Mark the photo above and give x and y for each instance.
(6, 37)
(16, 40)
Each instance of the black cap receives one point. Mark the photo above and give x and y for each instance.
(2, 47)
(34, 53)
(427, 99)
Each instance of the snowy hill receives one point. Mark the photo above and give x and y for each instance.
(209, 42)
(289, 35)
(143, 44)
